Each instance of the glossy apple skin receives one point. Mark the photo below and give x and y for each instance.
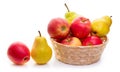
(81, 27)
(18, 53)
(92, 40)
(72, 41)
(58, 28)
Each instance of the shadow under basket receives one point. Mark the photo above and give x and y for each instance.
(78, 55)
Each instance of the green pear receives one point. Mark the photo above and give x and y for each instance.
(107, 19)
(70, 15)
(41, 52)
(100, 28)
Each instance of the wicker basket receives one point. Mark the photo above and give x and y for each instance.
(80, 55)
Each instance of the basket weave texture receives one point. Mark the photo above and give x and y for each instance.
(80, 55)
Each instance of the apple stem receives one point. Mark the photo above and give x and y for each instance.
(85, 20)
(67, 7)
(110, 16)
(39, 33)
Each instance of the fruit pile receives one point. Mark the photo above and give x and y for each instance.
(77, 30)
(73, 30)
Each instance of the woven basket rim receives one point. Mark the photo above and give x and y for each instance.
(104, 42)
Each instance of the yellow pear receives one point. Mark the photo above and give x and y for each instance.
(107, 19)
(41, 52)
(100, 28)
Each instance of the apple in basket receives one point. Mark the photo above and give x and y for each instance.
(71, 41)
(58, 28)
(92, 40)
(81, 27)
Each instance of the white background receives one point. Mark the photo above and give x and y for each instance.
(21, 19)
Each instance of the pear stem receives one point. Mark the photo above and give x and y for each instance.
(110, 16)
(39, 33)
(67, 7)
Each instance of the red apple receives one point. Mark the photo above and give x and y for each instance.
(92, 40)
(81, 27)
(58, 28)
(18, 53)
(71, 41)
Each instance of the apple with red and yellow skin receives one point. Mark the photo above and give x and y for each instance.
(18, 53)
(58, 28)
(71, 41)
(81, 27)
(92, 40)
